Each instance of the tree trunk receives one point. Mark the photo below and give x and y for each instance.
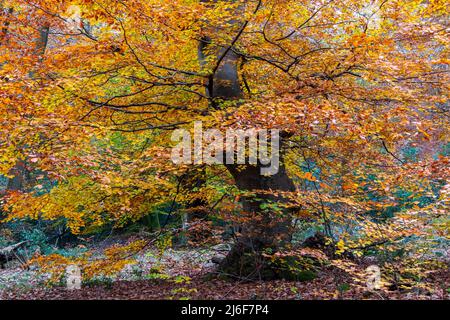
(265, 230)
(20, 177)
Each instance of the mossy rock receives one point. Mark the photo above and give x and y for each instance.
(297, 275)
(306, 275)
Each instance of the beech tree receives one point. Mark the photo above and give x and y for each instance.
(349, 84)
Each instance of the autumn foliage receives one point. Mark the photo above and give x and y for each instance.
(90, 92)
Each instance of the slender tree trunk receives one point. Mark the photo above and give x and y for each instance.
(20, 173)
(20, 177)
(196, 206)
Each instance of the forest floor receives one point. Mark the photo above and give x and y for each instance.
(323, 287)
(189, 274)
